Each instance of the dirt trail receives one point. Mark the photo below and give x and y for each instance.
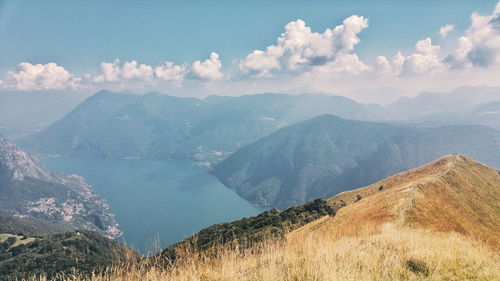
(407, 201)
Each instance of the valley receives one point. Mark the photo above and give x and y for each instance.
(143, 153)
(157, 202)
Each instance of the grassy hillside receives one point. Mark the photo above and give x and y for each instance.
(453, 193)
(436, 222)
(391, 254)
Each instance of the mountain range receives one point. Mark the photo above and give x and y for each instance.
(120, 125)
(435, 103)
(486, 114)
(326, 155)
(155, 125)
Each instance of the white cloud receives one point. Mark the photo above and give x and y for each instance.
(48, 76)
(299, 50)
(444, 30)
(261, 63)
(113, 72)
(480, 46)
(425, 60)
(300, 57)
(210, 69)
(171, 72)
(385, 67)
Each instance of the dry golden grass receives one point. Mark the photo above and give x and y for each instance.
(392, 254)
(452, 194)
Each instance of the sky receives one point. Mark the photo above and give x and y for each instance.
(196, 48)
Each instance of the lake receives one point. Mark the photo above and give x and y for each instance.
(157, 201)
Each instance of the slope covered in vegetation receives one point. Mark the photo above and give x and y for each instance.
(391, 254)
(243, 233)
(82, 251)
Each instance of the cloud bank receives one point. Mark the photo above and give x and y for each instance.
(299, 57)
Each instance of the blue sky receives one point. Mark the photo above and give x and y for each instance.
(80, 35)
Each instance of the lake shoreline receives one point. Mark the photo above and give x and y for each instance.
(157, 201)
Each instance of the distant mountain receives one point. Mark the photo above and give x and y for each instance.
(430, 103)
(381, 96)
(24, 256)
(24, 112)
(486, 114)
(154, 125)
(29, 189)
(327, 155)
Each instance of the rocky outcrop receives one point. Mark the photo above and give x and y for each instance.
(30, 190)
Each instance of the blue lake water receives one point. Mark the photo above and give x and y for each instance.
(157, 200)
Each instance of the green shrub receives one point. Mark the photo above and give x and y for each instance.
(244, 232)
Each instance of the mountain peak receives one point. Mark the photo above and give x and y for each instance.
(18, 165)
(453, 193)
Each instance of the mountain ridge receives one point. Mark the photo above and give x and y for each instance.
(328, 154)
(451, 194)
